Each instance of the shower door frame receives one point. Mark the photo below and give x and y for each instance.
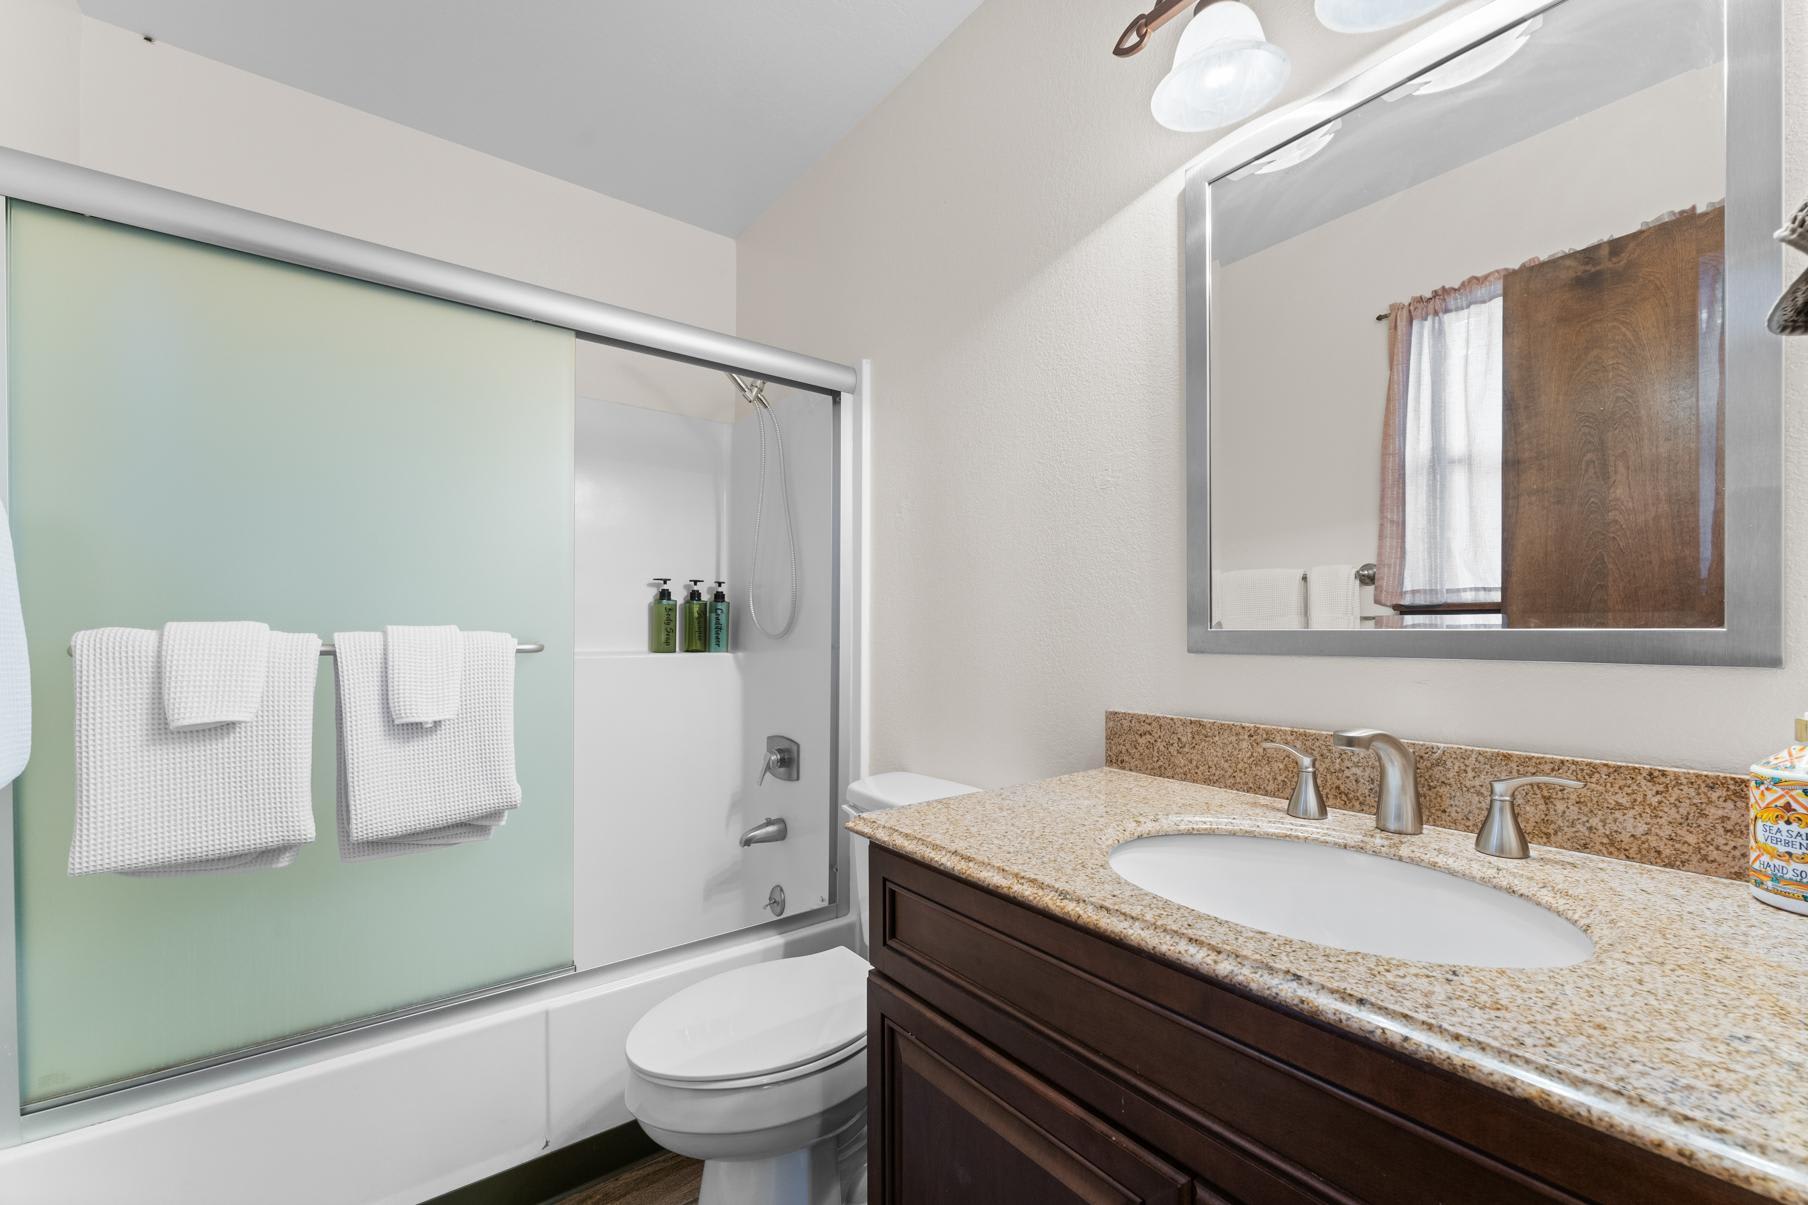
(58, 185)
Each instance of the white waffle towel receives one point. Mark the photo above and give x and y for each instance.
(404, 787)
(423, 666)
(15, 667)
(1259, 599)
(149, 800)
(1333, 597)
(213, 673)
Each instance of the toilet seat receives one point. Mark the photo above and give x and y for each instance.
(755, 1025)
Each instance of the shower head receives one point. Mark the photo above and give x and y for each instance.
(752, 392)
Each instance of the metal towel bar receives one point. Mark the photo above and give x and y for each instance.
(327, 650)
(1365, 574)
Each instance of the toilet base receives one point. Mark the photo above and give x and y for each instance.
(805, 1177)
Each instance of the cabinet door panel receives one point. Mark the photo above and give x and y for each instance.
(961, 1125)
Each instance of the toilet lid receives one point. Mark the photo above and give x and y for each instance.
(755, 1021)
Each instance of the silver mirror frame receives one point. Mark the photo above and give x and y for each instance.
(1753, 634)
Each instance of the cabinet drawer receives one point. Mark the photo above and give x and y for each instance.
(965, 1126)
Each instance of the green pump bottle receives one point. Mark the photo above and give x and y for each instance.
(718, 620)
(662, 619)
(696, 619)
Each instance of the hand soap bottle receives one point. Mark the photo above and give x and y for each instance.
(662, 619)
(696, 618)
(718, 620)
(1778, 870)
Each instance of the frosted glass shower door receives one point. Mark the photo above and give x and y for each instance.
(201, 434)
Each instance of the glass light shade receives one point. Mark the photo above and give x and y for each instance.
(1366, 16)
(1225, 68)
(1293, 154)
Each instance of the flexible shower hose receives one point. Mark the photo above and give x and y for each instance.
(756, 395)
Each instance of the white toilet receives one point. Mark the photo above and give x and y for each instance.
(761, 1071)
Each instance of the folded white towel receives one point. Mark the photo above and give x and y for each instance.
(403, 787)
(152, 800)
(213, 673)
(423, 667)
(1333, 597)
(15, 667)
(1259, 599)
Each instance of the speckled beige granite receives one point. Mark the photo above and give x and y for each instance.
(1684, 1033)
(1682, 819)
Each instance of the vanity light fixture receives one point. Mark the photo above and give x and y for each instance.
(1367, 16)
(1471, 65)
(1225, 68)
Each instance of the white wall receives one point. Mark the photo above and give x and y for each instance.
(1000, 236)
(80, 90)
(1297, 478)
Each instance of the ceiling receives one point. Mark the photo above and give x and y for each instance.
(1586, 54)
(704, 110)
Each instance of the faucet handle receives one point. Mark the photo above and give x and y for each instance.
(1306, 803)
(1500, 835)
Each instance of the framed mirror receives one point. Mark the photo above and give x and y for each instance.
(1476, 358)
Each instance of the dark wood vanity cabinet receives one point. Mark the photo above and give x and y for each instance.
(1016, 1058)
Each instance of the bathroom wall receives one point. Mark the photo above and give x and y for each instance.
(91, 93)
(1001, 236)
(1315, 420)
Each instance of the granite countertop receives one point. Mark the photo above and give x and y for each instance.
(1684, 1033)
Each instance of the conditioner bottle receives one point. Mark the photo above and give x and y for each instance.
(718, 620)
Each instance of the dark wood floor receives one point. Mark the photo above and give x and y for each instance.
(664, 1179)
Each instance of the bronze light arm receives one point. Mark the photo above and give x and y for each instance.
(1136, 34)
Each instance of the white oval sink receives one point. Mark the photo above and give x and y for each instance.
(1350, 900)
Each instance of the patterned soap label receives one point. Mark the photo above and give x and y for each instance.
(1779, 831)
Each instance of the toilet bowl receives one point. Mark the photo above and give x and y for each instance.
(761, 1071)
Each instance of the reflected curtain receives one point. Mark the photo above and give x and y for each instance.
(1441, 449)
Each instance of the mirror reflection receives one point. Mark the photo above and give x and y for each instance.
(1466, 349)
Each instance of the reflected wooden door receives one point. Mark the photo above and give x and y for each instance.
(1613, 467)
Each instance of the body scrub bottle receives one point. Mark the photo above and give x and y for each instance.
(1778, 870)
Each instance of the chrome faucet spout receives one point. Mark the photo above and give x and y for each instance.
(1397, 804)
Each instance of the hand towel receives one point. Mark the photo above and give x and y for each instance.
(1261, 599)
(423, 667)
(404, 787)
(1333, 597)
(213, 673)
(15, 666)
(150, 800)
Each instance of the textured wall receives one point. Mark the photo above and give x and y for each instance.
(1001, 237)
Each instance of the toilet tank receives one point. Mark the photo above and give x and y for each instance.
(876, 793)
